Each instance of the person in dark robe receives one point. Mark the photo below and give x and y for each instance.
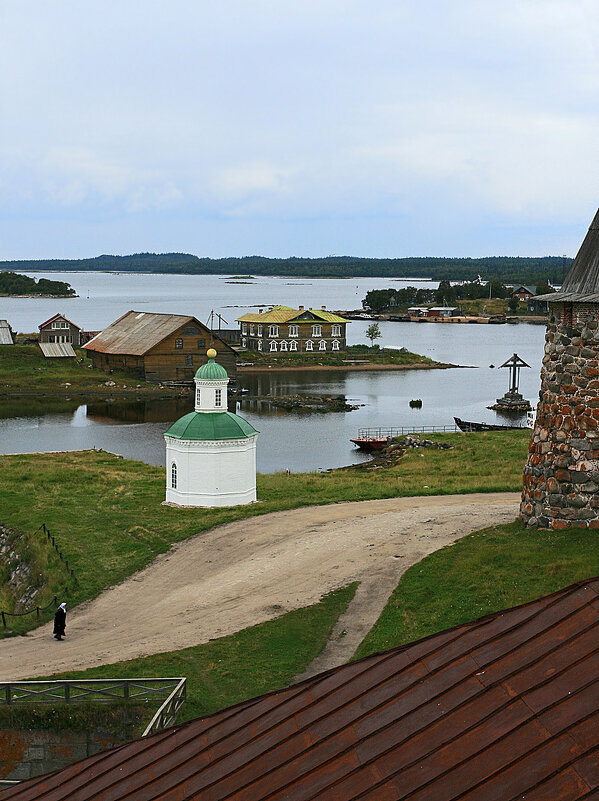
(60, 621)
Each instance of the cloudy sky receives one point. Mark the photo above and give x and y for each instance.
(298, 127)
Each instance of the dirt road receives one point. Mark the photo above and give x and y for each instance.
(243, 573)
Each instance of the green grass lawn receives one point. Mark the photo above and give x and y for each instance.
(492, 569)
(374, 354)
(230, 669)
(24, 369)
(107, 517)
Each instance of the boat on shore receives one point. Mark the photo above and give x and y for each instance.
(366, 443)
(468, 426)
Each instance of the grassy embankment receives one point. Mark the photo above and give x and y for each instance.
(25, 372)
(107, 516)
(492, 569)
(480, 306)
(254, 661)
(355, 355)
(483, 572)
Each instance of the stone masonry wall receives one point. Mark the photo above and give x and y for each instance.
(24, 754)
(561, 476)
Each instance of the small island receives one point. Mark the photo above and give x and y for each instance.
(15, 285)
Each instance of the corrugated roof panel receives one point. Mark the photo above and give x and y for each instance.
(57, 350)
(5, 333)
(498, 709)
(278, 314)
(285, 314)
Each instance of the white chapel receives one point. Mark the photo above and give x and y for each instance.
(211, 452)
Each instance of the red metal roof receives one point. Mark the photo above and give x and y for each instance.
(503, 708)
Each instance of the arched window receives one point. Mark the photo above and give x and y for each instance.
(283, 345)
(335, 344)
(259, 344)
(273, 345)
(322, 345)
(174, 476)
(309, 345)
(293, 345)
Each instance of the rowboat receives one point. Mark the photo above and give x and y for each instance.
(465, 425)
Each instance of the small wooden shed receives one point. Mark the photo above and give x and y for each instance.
(158, 347)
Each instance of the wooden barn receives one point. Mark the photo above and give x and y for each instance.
(158, 347)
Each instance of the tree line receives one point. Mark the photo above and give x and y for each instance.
(16, 284)
(526, 270)
(446, 294)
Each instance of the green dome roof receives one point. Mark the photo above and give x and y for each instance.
(211, 371)
(210, 425)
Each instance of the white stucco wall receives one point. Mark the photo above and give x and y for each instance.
(211, 472)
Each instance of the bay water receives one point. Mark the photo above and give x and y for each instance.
(295, 440)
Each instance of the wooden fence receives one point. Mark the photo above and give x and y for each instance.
(72, 691)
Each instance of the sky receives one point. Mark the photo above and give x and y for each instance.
(383, 128)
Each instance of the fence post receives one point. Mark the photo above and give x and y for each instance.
(3, 620)
(8, 697)
(67, 693)
(126, 690)
(37, 610)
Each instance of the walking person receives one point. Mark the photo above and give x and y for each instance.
(60, 621)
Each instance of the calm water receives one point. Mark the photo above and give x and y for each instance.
(297, 441)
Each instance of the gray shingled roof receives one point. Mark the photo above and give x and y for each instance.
(5, 334)
(135, 333)
(582, 282)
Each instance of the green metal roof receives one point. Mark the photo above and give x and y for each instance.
(211, 371)
(210, 425)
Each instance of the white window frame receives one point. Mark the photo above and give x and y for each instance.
(273, 330)
(198, 396)
(244, 328)
(218, 397)
(64, 324)
(174, 472)
(56, 324)
(293, 330)
(335, 344)
(243, 342)
(259, 330)
(283, 345)
(309, 344)
(317, 330)
(252, 329)
(322, 345)
(293, 345)
(259, 344)
(273, 346)
(336, 330)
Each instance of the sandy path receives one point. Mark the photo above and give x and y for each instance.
(243, 573)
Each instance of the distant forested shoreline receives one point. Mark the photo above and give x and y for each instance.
(525, 270)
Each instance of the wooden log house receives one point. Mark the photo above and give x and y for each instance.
(158, 347)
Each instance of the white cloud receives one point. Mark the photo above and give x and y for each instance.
(300, 109)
